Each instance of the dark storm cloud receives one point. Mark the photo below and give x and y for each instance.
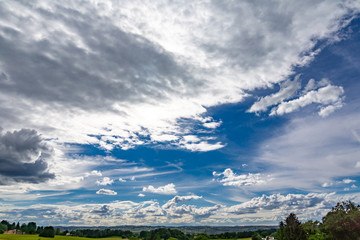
(23, 157)
(81, 60)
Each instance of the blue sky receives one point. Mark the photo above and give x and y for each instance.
(170, 113)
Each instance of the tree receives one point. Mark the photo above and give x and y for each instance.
(201, 237)
(3, 228)
(342, 222)
(256, 236)
(48, 232)
(31, 228)
(24, 228)
(291, 229)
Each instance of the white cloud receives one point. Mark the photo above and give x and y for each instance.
(229, 178)
(122, 180)
(167, 189)
(105, 181)
(329, 95)
(133, 178)
(94, 173)
(106, 192)
(141, 195)
(347, 181)
(287, 90)
(311, 152)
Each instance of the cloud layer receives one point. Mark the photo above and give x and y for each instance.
(97, 73)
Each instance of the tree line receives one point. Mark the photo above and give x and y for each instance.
(29, 228)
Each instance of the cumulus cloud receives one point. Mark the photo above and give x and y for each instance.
(105, 181)
(137, 78)
(23, 157)
(167, 189)
(329, 95)
(287, 202)
(229, 178)
(106, 192)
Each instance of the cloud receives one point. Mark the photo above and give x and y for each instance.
(105, 210)
(138, 78)
(232, 179)
(347, 181)
(105, 181)
(122, 180)
(141, 195)
(106, 192)
(277, 201)
(167, 189)
(287, 90)
(24, 157)
(312, 152)
(94, 173)
(329, 95)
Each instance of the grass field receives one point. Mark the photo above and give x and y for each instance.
(36, 237)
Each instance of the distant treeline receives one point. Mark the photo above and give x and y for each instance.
(165, 234)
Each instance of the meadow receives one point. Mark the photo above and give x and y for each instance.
(36, 237)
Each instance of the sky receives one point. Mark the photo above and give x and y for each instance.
(175, 113)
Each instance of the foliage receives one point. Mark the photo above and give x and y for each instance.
(312, 230)
(47, 232)
(244, 234)
(3, 228)
(256, 236)
(201, 237)
(342, 222)
(291, 229)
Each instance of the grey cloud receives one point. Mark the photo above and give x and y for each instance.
(81, 59)
(105, 210)
(287, 203)
(23, 157)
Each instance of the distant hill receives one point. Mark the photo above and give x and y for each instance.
(185, 229)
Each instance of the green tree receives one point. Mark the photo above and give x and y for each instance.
(31, 228)
(24, 228)
(256, 236)
(291, 229)
(342, 222)
(3, 228)
(17, 226)
(201, 237)
(48, 232)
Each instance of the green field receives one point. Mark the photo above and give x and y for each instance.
(36, 237)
